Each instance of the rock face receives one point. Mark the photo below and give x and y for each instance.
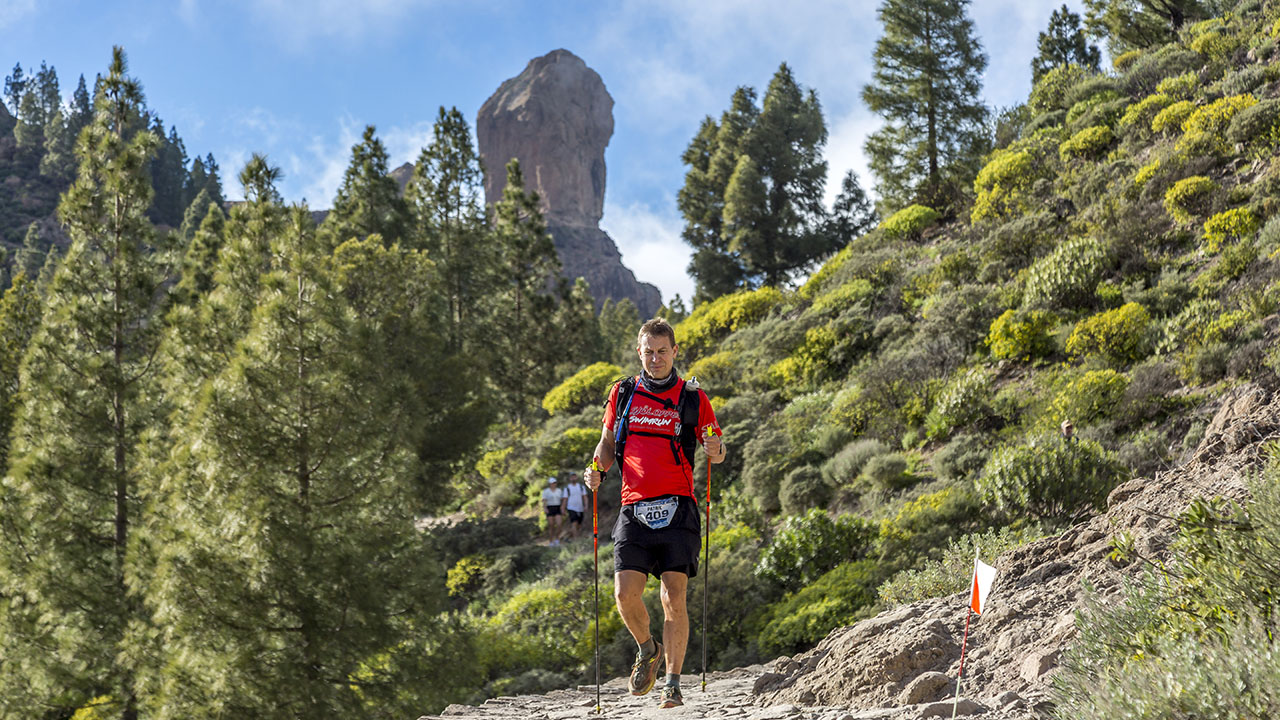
(556, 117)
(902, 663)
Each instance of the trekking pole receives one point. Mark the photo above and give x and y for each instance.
(706, 570)
(595, 540)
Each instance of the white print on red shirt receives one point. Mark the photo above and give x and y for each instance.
(656, 418)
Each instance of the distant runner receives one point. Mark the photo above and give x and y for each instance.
(653, 423)
(575, 503)
(552, 500)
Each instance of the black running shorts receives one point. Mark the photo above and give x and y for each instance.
(553, 510)
(575, 517)
(673, 548)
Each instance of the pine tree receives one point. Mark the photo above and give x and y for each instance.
(852, 214)
(927, 86)
(81, 110)
(31, 256)
(712, 157)
(59, 162)
(619, 323)
(295, 584)
(201, 256)
(445, 202)
(29, 132)
(15, 86)
(203, 176)
(368, 200)
(70, 499)
(168, 174)
(1063, 43)
(522, 329)
(20, 312)
(48, 92)
(194, 215)
(1137, 24)
(579, 327)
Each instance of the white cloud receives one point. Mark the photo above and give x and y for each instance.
(846, 137)
(651, 247)
(11, 11)
(301, 21)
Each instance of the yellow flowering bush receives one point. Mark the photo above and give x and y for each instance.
(1021, 335)
(1233, 224)
(1119, 335)
(1188, 197)
(1002, 184)
(726, 314)
(1208, 124)
(1146, 172)
(910, 221)
(1140, 114)
(1088, 143)
(1179, 87)
(1172, 117)
(588, 386)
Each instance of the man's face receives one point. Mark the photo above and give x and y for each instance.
(657, 355)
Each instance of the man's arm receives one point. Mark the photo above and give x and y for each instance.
(604, 455)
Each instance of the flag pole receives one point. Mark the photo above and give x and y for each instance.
(968, 615)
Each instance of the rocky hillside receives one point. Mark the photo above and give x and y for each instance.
(903, 662)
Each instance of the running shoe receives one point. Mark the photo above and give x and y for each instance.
(645, 671)
(671, 696)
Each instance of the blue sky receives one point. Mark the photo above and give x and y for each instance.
(299, 79)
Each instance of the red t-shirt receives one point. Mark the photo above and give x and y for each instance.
(648, 468)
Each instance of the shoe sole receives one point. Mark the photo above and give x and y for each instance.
(671, 703)
(653, 671)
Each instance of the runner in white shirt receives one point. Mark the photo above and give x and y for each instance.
(575, 503)
(552, 499)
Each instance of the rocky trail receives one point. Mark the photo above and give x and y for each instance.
(902, 663)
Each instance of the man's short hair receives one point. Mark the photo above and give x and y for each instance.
(657, 327)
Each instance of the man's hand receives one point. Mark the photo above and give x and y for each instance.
(712, 445)
(593, 475)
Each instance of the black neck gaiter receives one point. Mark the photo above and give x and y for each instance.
(657, 387)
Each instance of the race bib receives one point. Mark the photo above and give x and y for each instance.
(656, 514)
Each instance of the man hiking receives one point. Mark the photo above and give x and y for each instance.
(652, 424)
(575, 503)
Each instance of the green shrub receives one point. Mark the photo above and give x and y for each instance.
(818, 280)
(1086, 144)
(1089, 397)
(1050, 93)
(1257, 127)
(960, 459)
(1215, 45)
(1189, 197)
(964, 401)
(954, 571)
(1230, 265)
(1209, 124)
(886, 472)
(802, 489)
(842, 596)
(1068, 276)
(845, 466)
(1179, 87)
(1119, 335)
(1172, 117)
(568, 450)
(909, 222)
(1146, 74)
(806, 363)
(809, 545)
(1021, 335)
(843, 296)
(720, 370)
(1146, 172)
(1049, 477)
(589, 386)
(921, 527)
(1230, 225)
(726, 314)
(1002, 185)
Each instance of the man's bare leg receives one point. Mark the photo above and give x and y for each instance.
(675, 624)
(628, 591)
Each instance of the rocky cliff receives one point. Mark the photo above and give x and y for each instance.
(902, 664)
(556, 117)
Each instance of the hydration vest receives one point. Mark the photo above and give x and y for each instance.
(685, 439)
